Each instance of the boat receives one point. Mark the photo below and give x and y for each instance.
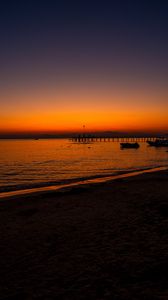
(129, 145)
(159, 143)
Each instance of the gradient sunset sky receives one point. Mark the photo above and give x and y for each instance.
(64, 64)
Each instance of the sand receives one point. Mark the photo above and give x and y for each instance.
(99, 241)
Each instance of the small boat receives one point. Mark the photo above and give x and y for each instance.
(158, 143)
(129, 145)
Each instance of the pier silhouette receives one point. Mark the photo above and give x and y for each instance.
(88, 138)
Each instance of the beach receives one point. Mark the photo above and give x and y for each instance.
(99, 241)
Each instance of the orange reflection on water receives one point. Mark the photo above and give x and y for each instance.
(25, 163)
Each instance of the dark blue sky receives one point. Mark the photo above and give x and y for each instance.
(64, 37)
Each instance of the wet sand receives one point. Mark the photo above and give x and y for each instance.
(98, 241)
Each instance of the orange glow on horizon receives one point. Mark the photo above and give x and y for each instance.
(68, 110)
(94, 121)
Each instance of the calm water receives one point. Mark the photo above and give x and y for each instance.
(28, 163)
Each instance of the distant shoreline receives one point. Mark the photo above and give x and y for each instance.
(103, 134)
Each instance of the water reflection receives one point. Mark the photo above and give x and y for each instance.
(34, 162)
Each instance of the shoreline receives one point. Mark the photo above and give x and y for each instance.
(99, 241)
(75, 183)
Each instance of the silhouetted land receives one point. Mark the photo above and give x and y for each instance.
(102, 134)
(105, 241)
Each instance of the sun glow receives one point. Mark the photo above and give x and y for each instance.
(67, 110)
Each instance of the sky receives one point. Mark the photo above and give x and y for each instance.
(65, 64)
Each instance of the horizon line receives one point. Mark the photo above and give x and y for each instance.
(107, 133)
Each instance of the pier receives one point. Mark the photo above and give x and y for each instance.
(90, 139)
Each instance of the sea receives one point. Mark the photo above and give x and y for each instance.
(34, 163)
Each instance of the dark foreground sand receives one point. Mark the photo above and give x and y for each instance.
(106, 241)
